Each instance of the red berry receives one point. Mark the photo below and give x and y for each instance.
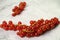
(44, 28)
(14, 9)
(10, 28)
(52, 26)
(18, 33)
(21, 7)
(28, 35)
(13, 14)
(47, 26)
(40, 21)
(19, 22)
(10, 22)
(24, 3)
(4, 22)
(32, 22)
(5, 28)
(39, 31)
(21, 34)
(36, 34)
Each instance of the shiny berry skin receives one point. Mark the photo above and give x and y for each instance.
(47, 21)
(32, 22)
(6, 28)
(10, 28)
(18, 12)
(56, 20)
(43, 28)
(52, 26)
(19, 22)
(19, 28)
(36, 34)
(22, 4)
(48, 27)
(18, 33)
(14, 9)
(4, 22)
(39, 31)
(18, 9)
(13, 14)
(24, 26)
(10, 22)
(28, 35)
(40, 21)
(21, 34)
(21, 7)
(36, 28)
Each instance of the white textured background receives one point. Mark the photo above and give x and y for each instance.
(35, 9)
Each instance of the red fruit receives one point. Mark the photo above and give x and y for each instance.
(5, 28)
(22, 4)
(10, 22)
(14, 9)
(39, 31)
(52, 26)
(19, 28)
(56, 20)
(11, 25)
(36, 34)
(24, 26)
(4, 25)
(13, 14)
(4, 22)
(32, 22)
(28, 35)
(14, 28)
(10, 28)
(47, 27)
(47, 21)
(43, 28)
(21, 7)
(21, 34)
(35, 27)
(18, 12)
(40, 21)
(19, 22)
(18, 33)
(1, 26)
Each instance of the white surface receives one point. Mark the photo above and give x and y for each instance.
(35, 9)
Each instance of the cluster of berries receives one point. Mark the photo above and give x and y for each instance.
(35, 28)
(18, 9)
